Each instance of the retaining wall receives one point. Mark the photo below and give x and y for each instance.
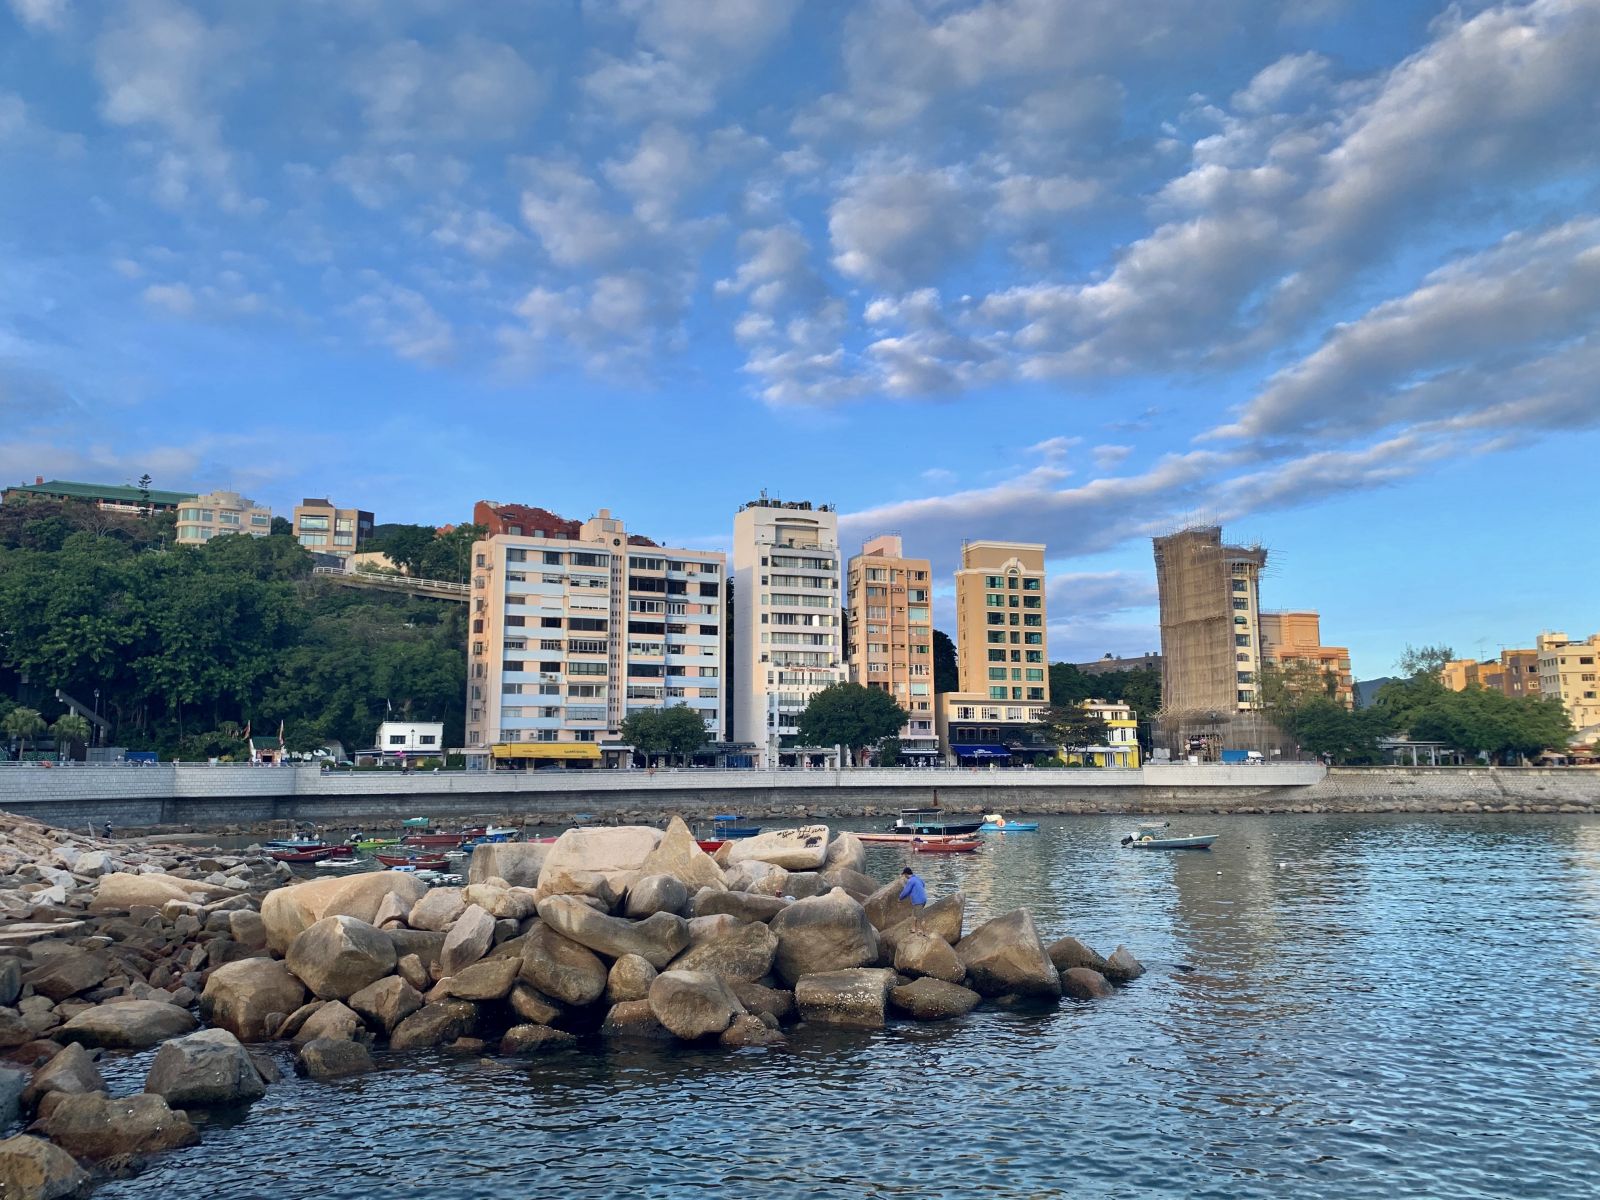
(203, 796)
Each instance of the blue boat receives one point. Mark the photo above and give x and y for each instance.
(995, 823)
(724, 825)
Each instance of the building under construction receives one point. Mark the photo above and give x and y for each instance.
(1211, 646)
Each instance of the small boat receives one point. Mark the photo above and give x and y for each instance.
(995, 823)
(711, 845)
(903, 839)
(726, 826)
(931, 820)
(433, 840)
(342, 864)
(303, 856)
(945, 846)
(420, 862)
(368, 845)
(1148, 837)
(298, 842)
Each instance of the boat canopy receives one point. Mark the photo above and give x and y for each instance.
(727, 817)
(982, 752)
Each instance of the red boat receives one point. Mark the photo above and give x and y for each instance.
(433, 839)
(314, 855)
(948, 847)
(422, 862)
(712, 845)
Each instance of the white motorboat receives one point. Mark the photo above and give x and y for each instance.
(1149, 836)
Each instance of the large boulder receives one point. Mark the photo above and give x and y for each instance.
(561, 968)
(518, 863)
(744, 906)
(533, 1006)
(803, 849)
(856, 997)
(650, 894)
(633, 1019)
(745, 952)
(679, 855)
(629, 979)
(434, 1024)
(94, 1126)
(885, 908)
(930, 999)
(331, 1058)
(426, 946)
(33, 1169)
(204, 1070)
(127, 1025)
(340, 955)
(72, 1069)
(124, 890)
(823, 933)
(335, 1021)
(581, 856)
(945, 916)
(1122, 966)
(693, 1004)
(921, 953)
(10, 979)
(859, 886)
(1004, 957)
(525, 1041)
(747, 1030)
(491, 979)
(469, 940)
(1069, 952)
(659, 938)
(439, 908)
(502, 903)
(288, 911)
(386, 1002)
(65, 975)
(241, 995)
(1085, 983)
(847, 852)
(764, 1001)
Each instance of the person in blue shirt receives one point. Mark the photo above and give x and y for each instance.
(914, 890)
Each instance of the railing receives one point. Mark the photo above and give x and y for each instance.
(436, 588)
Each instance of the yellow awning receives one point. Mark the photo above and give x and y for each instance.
(564, 750)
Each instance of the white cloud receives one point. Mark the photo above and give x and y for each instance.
(565, 209)
(479, 234)
(400, 318)
(664, 164)
(899, 226)
(41, 14)
(174, 298)
(476, 89)
(647, 86)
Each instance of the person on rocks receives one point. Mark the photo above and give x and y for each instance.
(914, 890)
(108, 831)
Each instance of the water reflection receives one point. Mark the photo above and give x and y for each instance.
(1377, 1006)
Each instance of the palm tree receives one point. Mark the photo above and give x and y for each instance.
(69, 728)
(22, 724)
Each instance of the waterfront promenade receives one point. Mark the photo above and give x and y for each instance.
(206, 795)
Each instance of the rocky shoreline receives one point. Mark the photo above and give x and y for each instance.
(619, 932)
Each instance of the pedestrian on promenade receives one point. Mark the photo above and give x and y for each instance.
(914, 890)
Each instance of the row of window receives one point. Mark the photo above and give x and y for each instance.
(999, 600)
(1001, 583)
(999, 618)
(1033, 656)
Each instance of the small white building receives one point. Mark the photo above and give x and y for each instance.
(411, 739)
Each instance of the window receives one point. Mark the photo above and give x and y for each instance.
(1244, 695)
(1240, 604)
(260, 519)
(1240, 585)
(997, 618)
(1246, 677)
(1035, 693)
(1033, 639)
(1241, 639)
(428, 739)
(1032, 601)
(580, 559)
(317, 523)
(313, 539)
(397, 739)
(997, 672)
(994, 601)
(997, 635)
(1035, 676)
(1031, 585)
(1032, 619)
(997, 693)
(344, 525)
(997, 656)
(1035, 656)
(586, 668)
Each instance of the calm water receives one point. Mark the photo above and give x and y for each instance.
(1377, 1006)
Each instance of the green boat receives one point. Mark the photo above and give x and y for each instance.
(368, 845)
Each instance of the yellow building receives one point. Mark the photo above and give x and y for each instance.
(1001, 654)
(1568, 671)
(1122, 739)
(1294, 639)
(888, 600)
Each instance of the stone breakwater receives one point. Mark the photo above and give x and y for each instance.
(607, 934)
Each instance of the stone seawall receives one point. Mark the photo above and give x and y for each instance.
(195, 796)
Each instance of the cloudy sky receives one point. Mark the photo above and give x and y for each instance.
(1072, 271)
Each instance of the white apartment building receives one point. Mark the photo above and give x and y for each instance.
(201, 518)
(569, 635)
(787, 620)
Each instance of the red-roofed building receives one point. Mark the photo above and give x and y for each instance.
(528, 520)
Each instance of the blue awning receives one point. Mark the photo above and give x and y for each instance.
(982, 752)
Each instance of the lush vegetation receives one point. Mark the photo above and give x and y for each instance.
(855, 717)
(1072, 728)
(188, 645)
(420, 551)
(674, 733)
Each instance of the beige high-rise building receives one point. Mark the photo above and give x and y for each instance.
(1290, 639)
(888, 606)
(1002, 656)
(1568, 671)
(1515, 673)
(570, 635)
(322, 527)
(787, 623)
(201, 518)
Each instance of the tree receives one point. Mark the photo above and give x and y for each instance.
(144, 494)
(449, 556)
(21, 724)
(946, 667)
(677, 731)
(69, 728)
(1418, 661)
(1069, 685)
(852, 716)
(282, 527)
(1072, 728)
(1324, 727)
(405, 546)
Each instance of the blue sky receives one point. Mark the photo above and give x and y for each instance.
(1325, 271)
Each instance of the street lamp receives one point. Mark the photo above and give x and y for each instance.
(94, 736)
